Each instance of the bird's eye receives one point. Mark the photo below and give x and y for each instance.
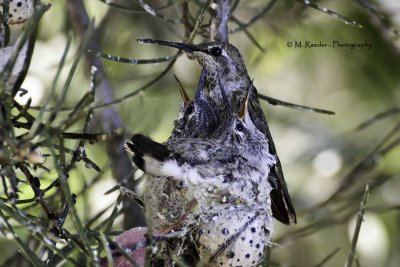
(190, 109)
(216, 51)
(239, 127)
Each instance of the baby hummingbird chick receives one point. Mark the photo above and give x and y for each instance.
(168, 198)
(198, 116)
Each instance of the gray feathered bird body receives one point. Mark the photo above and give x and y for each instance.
(221, 155)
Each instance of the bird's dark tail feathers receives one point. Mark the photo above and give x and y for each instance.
(142, 146)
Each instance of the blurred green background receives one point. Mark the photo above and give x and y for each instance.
(316, 150)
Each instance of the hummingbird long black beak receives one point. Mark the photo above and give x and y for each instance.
(182, 46)
(245, 105)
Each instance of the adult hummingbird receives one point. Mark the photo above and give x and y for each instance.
(227, 172)
(224, 66)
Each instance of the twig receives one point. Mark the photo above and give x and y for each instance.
(106, 247)
(262, 13)
(331, 13)
(37, 231)
(122, 252)
(357, 229)
(274, 101)
(367, 164)
(114, 213)
(37, 123)
(327, 258)
(82, 47)
(134, 11)
(95, 137)
(385, 26)
(383, 208)
(219, 21)
(368, 5)
(249, 35)
(68, 196)
(185, 19)
(378, 117)
(35, 184)
(134, 61)
(154, 13)
(130, 194)
(29, 254)
(199, 20)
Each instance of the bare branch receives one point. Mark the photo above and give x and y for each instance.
(360, 218)
(219, 22)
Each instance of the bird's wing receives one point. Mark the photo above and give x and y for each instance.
(147, 154)
(282, 208)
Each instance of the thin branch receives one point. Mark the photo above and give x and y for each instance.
(327, 258)
(367, 164)
(331, 13)
(154, 13)
(378, 117)
(34, 182)
(357, 229)
(106, 247)
(135, 11)
(62, 178)
(82, 47)
(249, 35)
(186, 18)
(219, 20)
(274, 101)
(29, 254)
(134, 61)
(262, 13)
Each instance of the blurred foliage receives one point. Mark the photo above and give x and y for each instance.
(319, 153)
